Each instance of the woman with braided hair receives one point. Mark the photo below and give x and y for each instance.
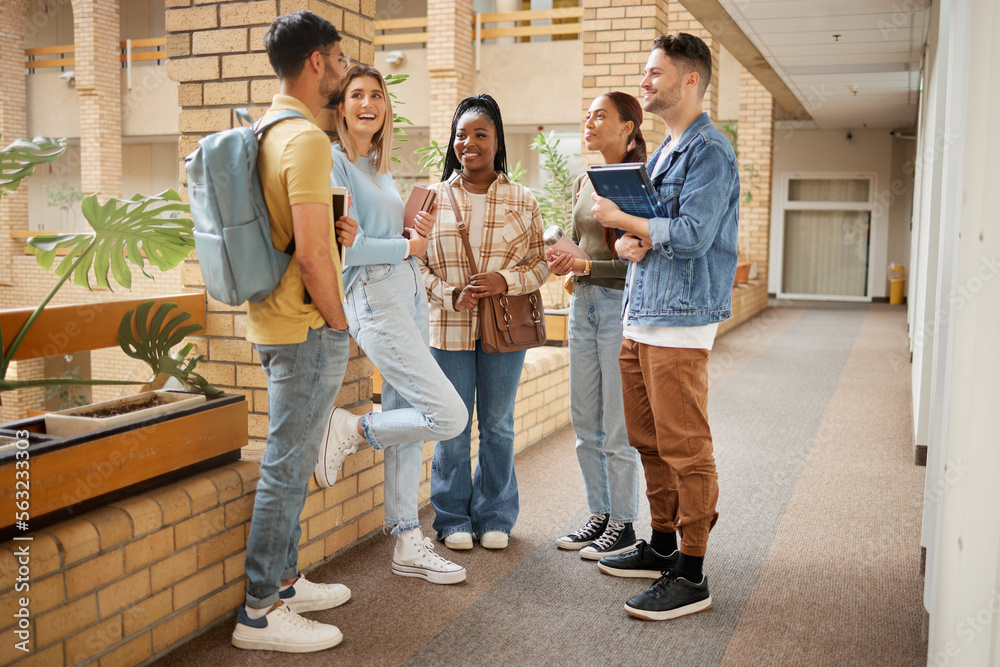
(505, 232)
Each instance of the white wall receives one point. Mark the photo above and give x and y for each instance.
(963, 585)
(824, 151)
(148, 109)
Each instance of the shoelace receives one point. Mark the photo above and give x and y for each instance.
(294, 619)
(610, 536)
(428, 546)
(589, 528)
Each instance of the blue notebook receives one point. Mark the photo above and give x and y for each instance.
(627, 185)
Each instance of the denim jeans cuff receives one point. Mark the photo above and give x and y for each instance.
(505, 531)
(261, 603)
(290, 573)
(615, 520)
(403, 526)
(366, 423)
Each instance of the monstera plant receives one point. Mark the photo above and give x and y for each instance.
(123, 232)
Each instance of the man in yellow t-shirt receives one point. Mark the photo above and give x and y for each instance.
(300, 333)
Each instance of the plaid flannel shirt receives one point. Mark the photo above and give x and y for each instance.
(512, 246)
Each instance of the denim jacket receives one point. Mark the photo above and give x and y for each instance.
(686, 279)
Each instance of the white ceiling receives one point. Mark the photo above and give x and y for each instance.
(878, 55)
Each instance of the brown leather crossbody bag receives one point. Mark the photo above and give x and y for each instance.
(507, 323)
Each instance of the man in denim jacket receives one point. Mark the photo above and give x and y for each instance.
(678, 289)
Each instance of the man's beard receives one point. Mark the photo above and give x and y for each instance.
(670, 98)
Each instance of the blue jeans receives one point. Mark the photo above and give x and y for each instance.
(387, 315)
(488, 501)
(610, 466)
(303, 380)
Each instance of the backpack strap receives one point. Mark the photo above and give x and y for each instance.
(260, 128)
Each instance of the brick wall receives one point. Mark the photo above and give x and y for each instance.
(756, 148)
(98, 84)
(680, 20)
(449, 61)
(13, 122)
(617, 38)
(128, 582)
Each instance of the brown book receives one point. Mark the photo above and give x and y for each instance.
(420, 199)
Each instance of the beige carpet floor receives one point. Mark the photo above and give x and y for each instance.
(814, 561)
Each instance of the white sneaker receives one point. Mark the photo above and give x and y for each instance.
(414, 557)
(284, 630)
(339, 440)
(305, 595)
(459, 541)
(494, 539)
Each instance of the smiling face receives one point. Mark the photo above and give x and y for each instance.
(363, 107)
(475, 142)
(662, 84)
(604, 129)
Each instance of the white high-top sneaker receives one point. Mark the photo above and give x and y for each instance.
(414, 557)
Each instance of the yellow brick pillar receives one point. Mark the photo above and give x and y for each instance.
(617, 38)
(216, 54)
(98, 84)
(756, 148)
(680, 20)
(449, 61)
(13, 123)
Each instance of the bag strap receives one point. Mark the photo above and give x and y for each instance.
(463, 229)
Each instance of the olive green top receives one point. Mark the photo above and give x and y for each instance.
(605, 270)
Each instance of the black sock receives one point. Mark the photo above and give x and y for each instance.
(689, 567)
(663, 543)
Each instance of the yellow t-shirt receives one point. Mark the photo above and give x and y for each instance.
(294, 163)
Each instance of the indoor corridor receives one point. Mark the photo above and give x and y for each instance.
(815, 559)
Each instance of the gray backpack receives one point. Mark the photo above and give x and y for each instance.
(232, 231)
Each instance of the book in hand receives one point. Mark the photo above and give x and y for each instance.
(420, 199)
(626, 184)
(340, 203)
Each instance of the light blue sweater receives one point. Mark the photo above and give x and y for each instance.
(377, 207)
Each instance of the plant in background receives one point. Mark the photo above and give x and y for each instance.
(732, 132)
(555, 199)
(397, 120)
(18, 160)
(67, 398)
(431, 158)
(124, 232)
(66, 198)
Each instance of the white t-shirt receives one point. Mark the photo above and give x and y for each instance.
(476, 221)
(700, 338)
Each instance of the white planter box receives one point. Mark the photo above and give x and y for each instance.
(77, 420)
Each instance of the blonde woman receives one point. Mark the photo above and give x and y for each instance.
(386, 309)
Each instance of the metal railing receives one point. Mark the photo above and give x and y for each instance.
(63, 56)
(565, 23)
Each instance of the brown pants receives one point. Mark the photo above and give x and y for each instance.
(666, 399)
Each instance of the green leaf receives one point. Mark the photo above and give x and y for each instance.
(18, 160)
(154, 339)
(124, 231)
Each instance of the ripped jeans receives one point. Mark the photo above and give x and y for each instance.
(387, 314)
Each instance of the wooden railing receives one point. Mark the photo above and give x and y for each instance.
(565, 22)
(65, 53)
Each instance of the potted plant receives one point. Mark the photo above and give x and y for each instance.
(70, 470)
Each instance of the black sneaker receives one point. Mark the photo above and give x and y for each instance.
(669, 597)
(585, 536)
(617, 538)
(641, 563)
